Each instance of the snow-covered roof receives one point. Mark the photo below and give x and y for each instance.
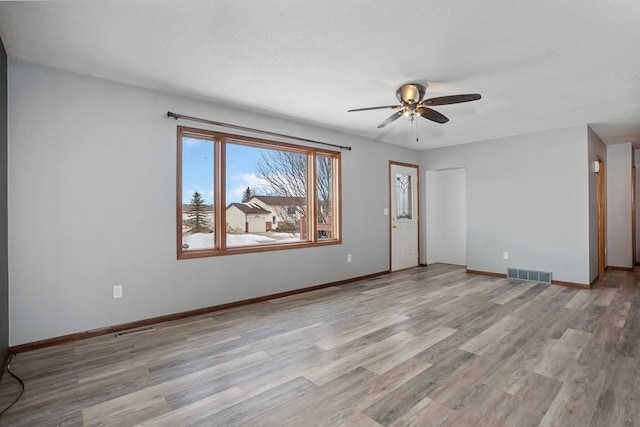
(282, 200)
(250, 208)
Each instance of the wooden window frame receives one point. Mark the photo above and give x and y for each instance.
(220, 140)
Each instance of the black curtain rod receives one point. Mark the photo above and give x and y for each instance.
(263, 132)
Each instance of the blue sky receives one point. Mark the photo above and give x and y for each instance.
(197, 170)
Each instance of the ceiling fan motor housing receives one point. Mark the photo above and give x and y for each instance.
(411, 93)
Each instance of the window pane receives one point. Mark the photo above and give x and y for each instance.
(403, 192)
(197, 194)
(266, 196)
(324, 183)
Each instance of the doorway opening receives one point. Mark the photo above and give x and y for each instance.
(446, 216)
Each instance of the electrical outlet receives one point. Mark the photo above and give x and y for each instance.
(505, 255)
(117, 291)
(349, 258)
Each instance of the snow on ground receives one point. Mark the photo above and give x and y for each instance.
(247, 239)
(205, 240)
(290, 239)
(199, 240)
(285, 235)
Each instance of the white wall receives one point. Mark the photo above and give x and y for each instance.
(92, 179)
(619, 161)
(528, 195)
(597, 150)
(446, 217)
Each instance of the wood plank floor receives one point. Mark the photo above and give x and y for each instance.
(426, 347)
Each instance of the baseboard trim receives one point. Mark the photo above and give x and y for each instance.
(50, 342)
(571, 284)
(555, 282)
(487, 273)
(613, 267)
(594, 282)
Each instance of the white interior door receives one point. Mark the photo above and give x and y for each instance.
(404, 216)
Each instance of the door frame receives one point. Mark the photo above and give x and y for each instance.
(633, 216)
(417, 168)
(601, 218)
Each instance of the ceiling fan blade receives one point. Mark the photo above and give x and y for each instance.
(452, 99)
(432, 115)
(390, 119)
(374, 108)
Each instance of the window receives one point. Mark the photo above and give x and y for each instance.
(403, 192)
(238, 194)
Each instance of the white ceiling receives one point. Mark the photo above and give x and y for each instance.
(539, 64)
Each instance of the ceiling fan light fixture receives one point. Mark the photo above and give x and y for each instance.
(409, 93)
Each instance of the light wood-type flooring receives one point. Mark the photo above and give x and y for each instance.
(429, 346)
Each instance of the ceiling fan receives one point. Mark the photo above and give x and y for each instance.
(412, 104)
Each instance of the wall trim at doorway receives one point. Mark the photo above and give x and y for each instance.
(553, 282)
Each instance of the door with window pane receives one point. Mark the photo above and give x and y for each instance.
(404, 216)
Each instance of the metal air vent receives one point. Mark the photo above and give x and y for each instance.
(529, 275)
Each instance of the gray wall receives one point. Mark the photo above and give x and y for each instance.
(619, 162)
(528, 195)
(4, 254)
(597, 150)
(92, 204)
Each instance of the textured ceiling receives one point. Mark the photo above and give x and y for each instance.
(538, 64)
